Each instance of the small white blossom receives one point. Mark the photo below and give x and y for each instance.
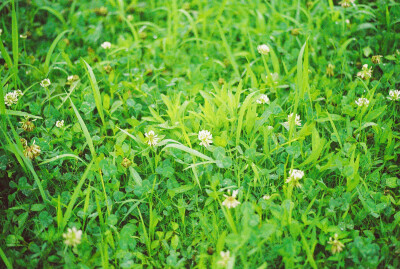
(230, 201)
(346, 3)
(263, 99)
(365, 73)
(45, 83)
(263, 49)
(11, 98)
(205, 138)
(362, 101)
(1, 32)
(225, 256)
(297, 120)
(23, 36)
(267, 197)
(337, 246)
(294, 177)
(394, 95)
(60, 123)
(72, 237)
(151, 138)
(106, 45)
(273, 77)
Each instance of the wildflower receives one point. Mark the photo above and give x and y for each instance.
(45, 83)
(347, 3)
(230, 201)
(72, 237)
(126, 163)
(32, 152)
(151, 138)
(362, 101)
(337, 246)
(106, 45)
(365, 73)
(225, 256)
(377, 59)
(23, 142)
(130, 17)
(102, 11)
(267, 197)
(263, 99)
(1, 32)
(59, 123)
(205, 137)
(347, 21)
(11, 98)
(294, 177)
(297, 120)
(394, 95)
(27, 125)
(72, 79)
(273, 77)
(221, 81)
(263, 49)
(23, 36)
(295, 32)
(108, 69)
(329, 70)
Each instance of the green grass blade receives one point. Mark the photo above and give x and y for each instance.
(96, 91)
(51, 50)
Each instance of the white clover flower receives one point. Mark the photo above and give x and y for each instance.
(72, 237)
(45, 83)
(106, 45)
(365, 73)
(362, 101)
(294, 177)
(151, 138)
(346, 3)
(267, 197)
(337, 246)
(225, 256)
(23, 36)
(205, 138)
(263, 99)
(376, 59)
(11, 98)
(263, 49)
(297, 120)
(347, 21)
(70, 78)
(394, 95)
(1, 32)
(33, 151)
(230, 201)
(129, 17)
(59, 123)
(273, 77)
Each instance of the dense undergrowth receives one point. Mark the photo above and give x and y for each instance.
(200, 134)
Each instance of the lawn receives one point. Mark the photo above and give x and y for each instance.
(200, 134)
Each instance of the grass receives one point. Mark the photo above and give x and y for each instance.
(317, 191)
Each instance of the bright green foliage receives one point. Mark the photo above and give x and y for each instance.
(170, 154)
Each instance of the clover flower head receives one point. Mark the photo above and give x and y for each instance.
(347, 3)
(263, 49)
(151, 138)
(329, 70)
(11, 98)
(1, 32)
(267, 197)
(376, 59)
(273, 77)
(294, 177)
(71, 79)
(72, 237)
(59, 123)
(394, 95)
(365, 72)
(297, 120)
(362, 102)
(230, 201)
(263, 99)
(205, 138)
(126, 162)
(45, 83)
(337, 246)
(27, 125)
(106, 45)
(32, 151)
(225, 256)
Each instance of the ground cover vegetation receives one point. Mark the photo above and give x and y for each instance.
(199, 134)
